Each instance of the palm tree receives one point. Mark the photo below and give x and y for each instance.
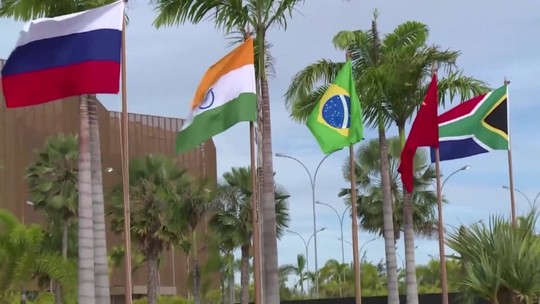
(307, 88)
(91, 236)
(369, 185)
(23, 259)
(502, 262)
(407, 73)
(334, 272)
(101, 273)
(52, 187)
(233, 221)
(196, 200)
(157, 217)
(299, 270)
(391, 78)
(259, 15)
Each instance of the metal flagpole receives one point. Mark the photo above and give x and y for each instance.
(255, 217)
(125, 176)
(510, 169)
(356, 257)
(442, 255)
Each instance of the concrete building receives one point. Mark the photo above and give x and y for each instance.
(24, 130)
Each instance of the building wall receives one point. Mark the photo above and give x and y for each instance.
(24, 130)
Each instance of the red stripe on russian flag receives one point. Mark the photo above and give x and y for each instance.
(39, 87)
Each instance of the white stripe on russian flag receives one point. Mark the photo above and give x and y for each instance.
(105, 17)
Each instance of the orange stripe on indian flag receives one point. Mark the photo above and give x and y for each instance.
(237, 58)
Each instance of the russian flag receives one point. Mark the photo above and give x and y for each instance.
(64, 56)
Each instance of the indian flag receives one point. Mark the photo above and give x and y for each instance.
(225, 96)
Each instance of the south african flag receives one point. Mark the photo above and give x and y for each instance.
(476, 126)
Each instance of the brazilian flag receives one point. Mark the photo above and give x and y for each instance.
(336, 121)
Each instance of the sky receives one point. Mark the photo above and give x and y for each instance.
(496, 40)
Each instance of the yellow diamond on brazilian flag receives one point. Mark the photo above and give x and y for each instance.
(336, 121)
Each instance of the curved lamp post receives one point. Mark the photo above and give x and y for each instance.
(532, 204)
(466, 167)
(312, 180)
(306, 245)
(341, 218)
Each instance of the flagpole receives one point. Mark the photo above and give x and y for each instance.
(510, 168)
(254, 205)
(255, 217)
(442, 255)
(125, 177)
(356, 257)
(356, 262)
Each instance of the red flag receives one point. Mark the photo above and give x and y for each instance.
(424, 133)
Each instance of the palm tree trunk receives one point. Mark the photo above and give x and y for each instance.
(408, 228)
(87, 287)
(100, 240)
(231, 278)
(244, 276)
(270, 255)
(223, 289)
(388, 219)
(153, 273)
(58, 292)
(196, 277)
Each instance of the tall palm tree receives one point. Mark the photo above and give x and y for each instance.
(259, 15)
(52, 187)
(233, 221)
(307, 88)
(391, 76)
(157, 217)
(407, 74)
(95, 266)
(101, 273)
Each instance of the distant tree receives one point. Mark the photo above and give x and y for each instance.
(53, 187)
(156, 215)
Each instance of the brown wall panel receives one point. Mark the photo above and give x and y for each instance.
(24, 130)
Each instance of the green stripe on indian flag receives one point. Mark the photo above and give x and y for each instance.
(216, 120)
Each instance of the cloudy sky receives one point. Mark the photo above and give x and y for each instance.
(496, 38)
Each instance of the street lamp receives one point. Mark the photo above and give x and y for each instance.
(306, 244)
(312, 180)
(466, 167)
(361, 247)
(341, 219)
(532, 204)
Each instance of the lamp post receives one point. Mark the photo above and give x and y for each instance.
(466, 167)
(312, 180)
(532, 204)
(341, 218)
(306, 245)
(361, 247)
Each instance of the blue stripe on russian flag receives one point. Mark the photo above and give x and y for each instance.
(96, 45)
(459, 148)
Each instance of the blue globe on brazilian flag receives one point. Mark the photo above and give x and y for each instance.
(336, 121)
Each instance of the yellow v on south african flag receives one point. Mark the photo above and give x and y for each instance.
(336, 121)
(226, 96)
